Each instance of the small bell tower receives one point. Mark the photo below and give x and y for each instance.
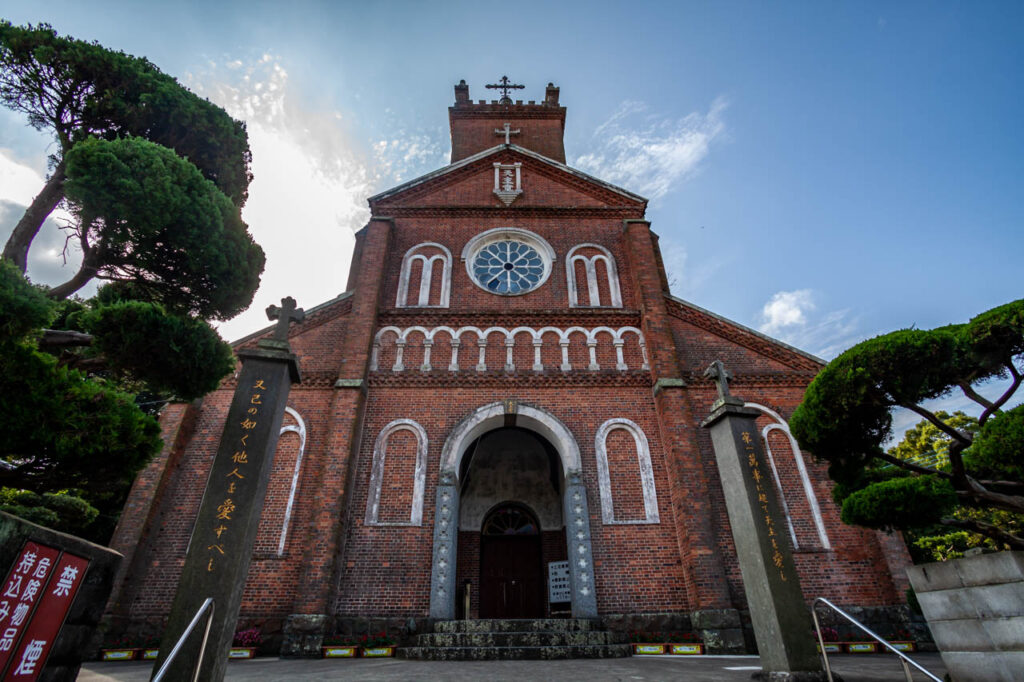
(475, 127)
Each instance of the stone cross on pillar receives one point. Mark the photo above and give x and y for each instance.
(778, 612)
(507, 131)
(721, 376)
(217, 560)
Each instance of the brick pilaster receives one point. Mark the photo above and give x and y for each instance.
(333, 465)
(706, 583)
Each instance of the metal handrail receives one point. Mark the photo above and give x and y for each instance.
(824, 654)
(208, 604)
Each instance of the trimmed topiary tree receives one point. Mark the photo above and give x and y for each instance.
(846, 417)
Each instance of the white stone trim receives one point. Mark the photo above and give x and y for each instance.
(492, 416)
(377, 474)
(592, 284)
(500, 234)
(426, 275)
(805, 479)
(299, 428)
(643, 454)
(592, 338)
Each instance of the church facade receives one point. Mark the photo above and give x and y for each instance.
(501, 418)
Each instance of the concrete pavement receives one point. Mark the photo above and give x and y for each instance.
(852, 668)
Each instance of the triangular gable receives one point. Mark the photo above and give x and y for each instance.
(546, 178)
(736, 333)
(315, 317)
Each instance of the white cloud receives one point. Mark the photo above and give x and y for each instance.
(651, 154)
(785, 309)
(408, 155)
(19, 183)
(310, 183)
(791, 316)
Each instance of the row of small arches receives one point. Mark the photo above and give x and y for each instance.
(569, 349)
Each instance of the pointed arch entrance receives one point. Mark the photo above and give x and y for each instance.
(573, 498)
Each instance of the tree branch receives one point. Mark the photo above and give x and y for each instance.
(986, 529)
(84, 274)
(978, 493)
(910, 466)
(64, 338)
(974, 395)
(1001, 400)
(16, 249)
(941, 425)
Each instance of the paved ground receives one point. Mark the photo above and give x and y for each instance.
(852, 668)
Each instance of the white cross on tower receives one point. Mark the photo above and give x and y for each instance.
(506, 131)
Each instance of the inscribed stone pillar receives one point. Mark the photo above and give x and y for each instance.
(217, 561)
(446, 534)
(577, 536)
(781, 620)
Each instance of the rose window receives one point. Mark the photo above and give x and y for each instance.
(508, 267)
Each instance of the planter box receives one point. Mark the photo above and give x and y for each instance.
(686, 649)
(975, 609)
(903, 646)
(150, 654)
(861, 647)
(118, 654)
(649, 649)
(340, 651)
(241, 652)
(378, 651)
(832, 647)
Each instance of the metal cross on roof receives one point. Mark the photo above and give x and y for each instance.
(505, 86)
(284, 316)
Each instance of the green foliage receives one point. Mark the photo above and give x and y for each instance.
(173, 353)
(900, 503)
(925, 445)
(998, 450)
(151, 219)
(75, 89)
(23, 308)
(61, 511)
(61, 430)
(967, 473)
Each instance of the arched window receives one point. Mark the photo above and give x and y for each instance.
(379, 472)
(602, 277)
(642, 462)
(778, 441)
(272, 536)
(423, 266)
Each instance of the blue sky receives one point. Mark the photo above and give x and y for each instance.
(824, 172)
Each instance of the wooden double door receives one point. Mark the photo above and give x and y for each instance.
(511, 569)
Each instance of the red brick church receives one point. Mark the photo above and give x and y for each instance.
(500, 418)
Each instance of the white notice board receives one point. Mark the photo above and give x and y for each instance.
(558, 582)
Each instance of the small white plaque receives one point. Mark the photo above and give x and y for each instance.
(559, 589)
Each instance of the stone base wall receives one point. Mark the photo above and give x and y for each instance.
(975, 608)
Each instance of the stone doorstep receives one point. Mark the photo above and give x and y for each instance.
(507, 639)
(517, 625)
(526, 638)
(519, 653)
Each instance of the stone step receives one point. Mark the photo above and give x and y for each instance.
(520, 639)
(513, 653)
(517, 625)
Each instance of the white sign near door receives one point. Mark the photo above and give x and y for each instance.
(558, 582)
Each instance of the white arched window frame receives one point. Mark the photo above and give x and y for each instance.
(377, 474)
(426, 276)
(590, 265)
(298, 428)
(643, 454)
(782, 426)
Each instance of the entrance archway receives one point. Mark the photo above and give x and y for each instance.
(511, 578)
(575, 512)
